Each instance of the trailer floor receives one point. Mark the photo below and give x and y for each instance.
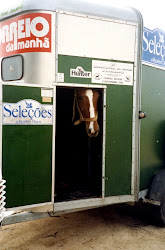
(114, 227)
(77, 195)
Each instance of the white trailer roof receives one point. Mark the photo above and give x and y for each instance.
(84, 7)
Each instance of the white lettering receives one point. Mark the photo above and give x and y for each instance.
(5, 34)
(13, 31)
(154, 46)
(21, 34)
(151, 43)
(28, 27)
(21, 45)
(44, 31)
(145, 40)
(158, 47)
(24, 28)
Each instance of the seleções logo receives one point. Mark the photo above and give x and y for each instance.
(27, 112)
(154, 47)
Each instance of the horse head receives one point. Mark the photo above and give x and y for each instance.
(86, 102)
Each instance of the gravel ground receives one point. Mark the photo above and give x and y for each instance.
(113, 227)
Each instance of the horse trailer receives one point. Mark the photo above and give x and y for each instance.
(51, 51)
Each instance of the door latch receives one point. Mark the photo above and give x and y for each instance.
(142, 114)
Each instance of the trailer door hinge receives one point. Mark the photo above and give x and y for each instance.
(105, 178)
(106, 106)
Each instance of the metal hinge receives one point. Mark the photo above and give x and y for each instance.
(105, 178)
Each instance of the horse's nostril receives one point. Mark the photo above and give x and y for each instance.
(90, 130)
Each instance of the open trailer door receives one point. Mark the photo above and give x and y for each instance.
(119, 166)
(27, 130)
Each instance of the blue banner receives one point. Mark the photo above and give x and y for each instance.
(154, 47)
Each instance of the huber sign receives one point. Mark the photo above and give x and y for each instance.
(154, 47)
(25, 33)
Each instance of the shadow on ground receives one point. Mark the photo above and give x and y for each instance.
(141, 214)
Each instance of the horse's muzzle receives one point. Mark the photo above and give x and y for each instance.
(93, 133)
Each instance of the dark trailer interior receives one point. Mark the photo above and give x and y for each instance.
(78, 158)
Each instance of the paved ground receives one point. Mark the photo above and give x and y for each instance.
(114, 227)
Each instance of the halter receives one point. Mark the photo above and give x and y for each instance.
(81, 119)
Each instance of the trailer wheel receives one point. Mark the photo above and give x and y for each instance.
(162, 212)
(157, 193)
(157, 214)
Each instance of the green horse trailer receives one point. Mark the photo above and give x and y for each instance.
(47, 165)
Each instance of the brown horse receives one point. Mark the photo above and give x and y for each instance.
(86, 102)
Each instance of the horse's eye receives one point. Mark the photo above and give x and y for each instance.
(80, 98)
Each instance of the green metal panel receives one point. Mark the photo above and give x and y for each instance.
(16, 93)
(65, 63)
(152, 139)
(118, 158)
(27, 155)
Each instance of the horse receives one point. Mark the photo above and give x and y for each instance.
(86, 101)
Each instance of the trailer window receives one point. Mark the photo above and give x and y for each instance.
(12, 68)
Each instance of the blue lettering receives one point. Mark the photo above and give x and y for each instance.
(30, 115)
(15, 112)
(24, 113)
(37, 113)
(19, 111)
(44, 112)
(50, 113)
(8, 110)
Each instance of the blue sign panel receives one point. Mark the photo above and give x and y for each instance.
(154, 47)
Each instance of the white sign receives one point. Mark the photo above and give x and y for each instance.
(60, 77)
(80, 72)
(27, 112)
(112, 72)
(46, 92)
